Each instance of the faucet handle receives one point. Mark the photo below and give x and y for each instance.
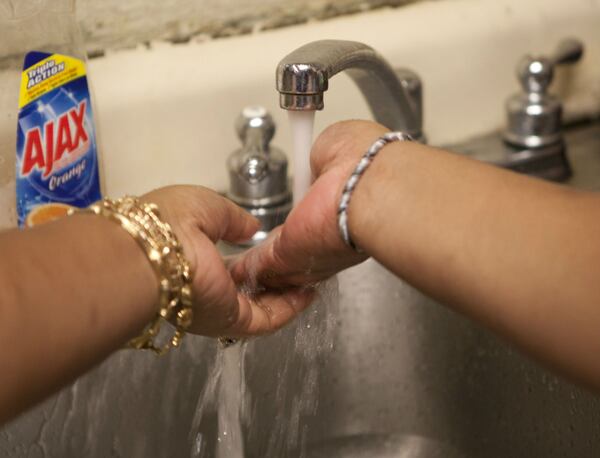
(258, 171)
(534, 116)
(255, 126)
(535, 73)
(568, 51)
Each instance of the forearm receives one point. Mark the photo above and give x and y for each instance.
(521, 255)
(71, 292)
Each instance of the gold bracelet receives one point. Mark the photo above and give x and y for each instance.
(142, 221)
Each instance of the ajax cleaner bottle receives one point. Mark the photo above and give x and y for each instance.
(49, 158)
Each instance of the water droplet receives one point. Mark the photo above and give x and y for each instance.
(198, 443)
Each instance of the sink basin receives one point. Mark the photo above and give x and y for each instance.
(383, 372)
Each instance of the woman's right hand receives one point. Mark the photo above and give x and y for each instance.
(308, 247)
(200, 217)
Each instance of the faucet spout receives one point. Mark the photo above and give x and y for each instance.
(303, 77)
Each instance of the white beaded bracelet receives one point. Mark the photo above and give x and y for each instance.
(363, 164)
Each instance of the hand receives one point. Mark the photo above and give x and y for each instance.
(308, 247)
(199, 218)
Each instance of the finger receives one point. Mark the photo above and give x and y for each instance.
(215, 292)
(257, 265)
(227, 221)
(246, 268)
(269, 311)
(254, 255)
(241, 224)
(204, 209)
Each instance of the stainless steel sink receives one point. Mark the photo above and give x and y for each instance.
(405, 377)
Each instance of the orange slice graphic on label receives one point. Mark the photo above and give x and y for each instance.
(46, 213)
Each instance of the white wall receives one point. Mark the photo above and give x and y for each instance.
(118, 23)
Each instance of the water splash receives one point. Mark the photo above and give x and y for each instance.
(306, 346)
(204, 425)
(216, 425)
(230, 442)
(263, 392)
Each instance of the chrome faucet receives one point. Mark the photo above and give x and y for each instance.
(395, 98)
(258, 171)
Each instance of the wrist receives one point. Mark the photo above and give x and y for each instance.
(357, 176)
(378, 195)
(142, 221)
